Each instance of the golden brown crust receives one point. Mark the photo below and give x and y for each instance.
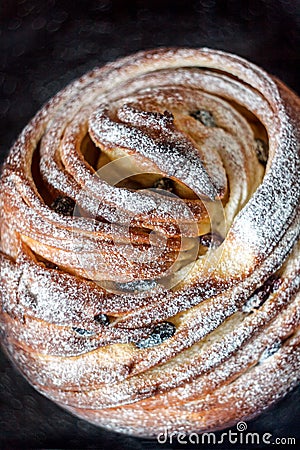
(149, 256)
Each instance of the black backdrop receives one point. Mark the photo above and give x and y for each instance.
(46, 44)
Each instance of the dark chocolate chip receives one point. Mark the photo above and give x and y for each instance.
(102, 319)
(262, 151)
(82, 331)
(270, 285)
(63, 205)
(31, 300)
(160, 333)
(212, 240)
(261, 294)
(205, 117)
(269, 351)
(51, 265)
(164, 183)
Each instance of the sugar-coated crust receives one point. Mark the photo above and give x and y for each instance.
(131, 255)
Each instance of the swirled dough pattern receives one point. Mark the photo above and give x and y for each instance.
(149, 257)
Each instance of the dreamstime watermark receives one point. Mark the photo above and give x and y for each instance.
(130, 215)
(239, 436)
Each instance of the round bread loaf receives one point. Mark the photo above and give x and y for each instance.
(149, 256)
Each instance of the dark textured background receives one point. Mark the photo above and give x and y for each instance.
(46, 44)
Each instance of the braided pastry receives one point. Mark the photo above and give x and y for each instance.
(149, 256)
